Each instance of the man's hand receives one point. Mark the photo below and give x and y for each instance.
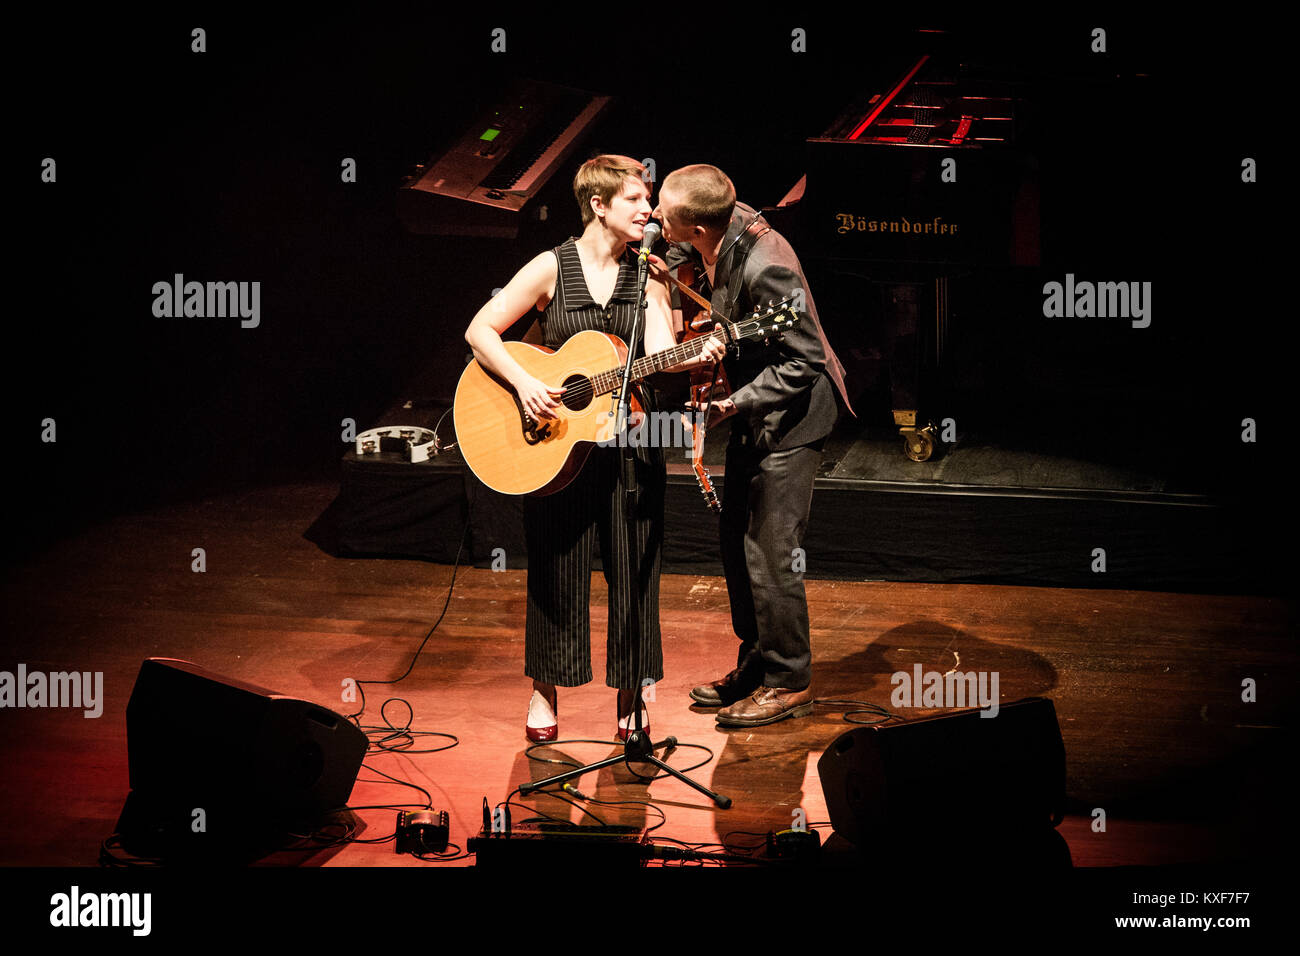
(714, 350)
(720, 411)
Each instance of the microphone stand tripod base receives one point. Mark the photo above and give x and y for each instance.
(639, 747)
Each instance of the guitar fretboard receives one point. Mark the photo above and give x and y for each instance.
(608, 381)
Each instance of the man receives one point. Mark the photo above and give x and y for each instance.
(783, 405)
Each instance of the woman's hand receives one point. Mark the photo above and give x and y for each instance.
(538, 398)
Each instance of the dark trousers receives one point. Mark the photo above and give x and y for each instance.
(561, 530)
(766, 499)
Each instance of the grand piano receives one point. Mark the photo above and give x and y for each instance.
(915, 200)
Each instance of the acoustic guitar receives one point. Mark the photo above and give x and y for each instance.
(514, 454)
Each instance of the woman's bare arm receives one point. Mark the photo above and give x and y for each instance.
(530, 288)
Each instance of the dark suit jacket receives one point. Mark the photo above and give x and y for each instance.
(785, 391)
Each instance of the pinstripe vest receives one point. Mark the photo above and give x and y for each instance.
(572, 309)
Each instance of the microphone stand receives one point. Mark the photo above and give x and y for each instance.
(638, 745)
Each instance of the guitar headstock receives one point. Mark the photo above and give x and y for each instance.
(774, 319)
(702, 477)
(705, 482)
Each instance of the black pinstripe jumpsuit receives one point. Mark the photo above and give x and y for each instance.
(561, 528)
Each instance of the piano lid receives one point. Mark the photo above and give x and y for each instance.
(935, 102)
(964, 194)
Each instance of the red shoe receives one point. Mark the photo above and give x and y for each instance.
(625, 728)
(541, 724)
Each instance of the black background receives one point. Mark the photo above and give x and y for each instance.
(225, 166)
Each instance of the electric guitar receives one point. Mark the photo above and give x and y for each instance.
(515, 454)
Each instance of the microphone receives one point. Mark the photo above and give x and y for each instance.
(649, 238)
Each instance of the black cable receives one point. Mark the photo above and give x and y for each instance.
(428, 805)
(864, 707)
(547, 816)
(743, 848)
(416, 656)
(691, 847)
(403, 733)
(707, 857)
(315, 841)
(438, 447)
(444, 856)
(663, 817)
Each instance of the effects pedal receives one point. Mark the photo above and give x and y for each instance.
(802, 845)
(425, 831)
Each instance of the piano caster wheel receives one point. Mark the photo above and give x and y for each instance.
(918, 443)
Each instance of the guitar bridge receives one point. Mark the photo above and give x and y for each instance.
(534, 433)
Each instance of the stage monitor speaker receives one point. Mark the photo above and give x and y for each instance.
(197, 739)
(925, 778)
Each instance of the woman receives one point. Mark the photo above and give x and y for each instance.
(588, 283)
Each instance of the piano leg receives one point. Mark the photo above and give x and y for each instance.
(903, 324)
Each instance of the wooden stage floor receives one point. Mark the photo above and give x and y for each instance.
(1147, 686)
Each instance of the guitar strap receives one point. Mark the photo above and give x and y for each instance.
(740, 248)
(686, 289)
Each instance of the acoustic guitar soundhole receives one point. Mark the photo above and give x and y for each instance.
(578, 393)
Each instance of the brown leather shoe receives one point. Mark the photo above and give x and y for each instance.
(767, 705)
(735, 686)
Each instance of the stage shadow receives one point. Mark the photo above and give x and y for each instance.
(937, 648)
(764, 769)
(168, 831)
